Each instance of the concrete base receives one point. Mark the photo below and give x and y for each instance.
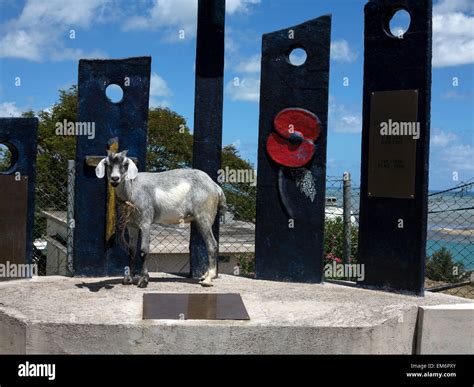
(57, 315)
(446, 329)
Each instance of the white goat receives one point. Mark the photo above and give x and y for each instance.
(172, 197)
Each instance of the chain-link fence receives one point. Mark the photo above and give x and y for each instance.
(50, 230)
(450, 241)
(341, 220)
(450, 249)
(450, 237)
(169, 245)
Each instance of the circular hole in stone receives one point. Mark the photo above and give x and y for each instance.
(114, 93)
(297, 56)
(6, 157)
(399, 23)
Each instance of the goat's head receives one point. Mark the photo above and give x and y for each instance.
(118, 167)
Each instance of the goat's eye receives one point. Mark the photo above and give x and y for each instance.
(125, 165)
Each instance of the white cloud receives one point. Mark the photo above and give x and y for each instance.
(453, 94)
(237, 143)
(175, 15)
(40, 30)
(441, 138)
(458, 157)
(20, 44)
(340, 51)
(243, 6)
(167, 14)
(158, 86)
(247, 89)
(231, 46)
(451, 152)
(159, 90)
(49, 109)
(453, 33)
(444, 6)
(342, 119)
(251, 65)
(76, 54)
(237, 58)
(78, 13)
(162, 103)
(9, 109)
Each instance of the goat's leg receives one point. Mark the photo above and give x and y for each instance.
(144, 250)
(133, 233)
(205, 229)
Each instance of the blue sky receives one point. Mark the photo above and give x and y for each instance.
(36, 45)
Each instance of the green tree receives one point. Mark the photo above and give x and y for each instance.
(52, 155)
(5, 158)
(241, 196)
(440, 266)
(170, 143)
(169, 146)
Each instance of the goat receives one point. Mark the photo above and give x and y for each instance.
(171, 197)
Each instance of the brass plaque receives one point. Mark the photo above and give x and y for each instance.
(194, 306)
(394, 130)
(13, 214)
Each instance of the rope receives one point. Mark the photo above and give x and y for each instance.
(127, 208)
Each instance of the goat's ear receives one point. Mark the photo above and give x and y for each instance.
(132, 171)
(100, 169)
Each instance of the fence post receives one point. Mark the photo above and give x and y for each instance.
(71, 172)
(346, 199)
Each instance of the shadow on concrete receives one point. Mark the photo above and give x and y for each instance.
(96, 286)
(110, 283)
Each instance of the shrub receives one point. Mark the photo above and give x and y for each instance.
(247, 264)
(440, 266)
(334, 241)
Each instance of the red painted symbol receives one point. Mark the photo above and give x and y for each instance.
(292, 145)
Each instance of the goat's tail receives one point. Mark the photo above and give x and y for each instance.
(222, 201)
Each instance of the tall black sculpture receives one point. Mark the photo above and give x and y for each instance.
(123, 124)
(208, 110)
(394, 170)
(292, 153)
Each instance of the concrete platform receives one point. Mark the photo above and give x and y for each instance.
(61, 315)
(435, 321)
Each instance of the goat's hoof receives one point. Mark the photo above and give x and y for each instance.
(208, 275)
(142, 282)
(127, 280)
(206, 282)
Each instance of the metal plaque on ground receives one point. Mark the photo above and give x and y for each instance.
(197, 306)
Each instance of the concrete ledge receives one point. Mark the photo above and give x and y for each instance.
(62, 315)
(446, 329)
